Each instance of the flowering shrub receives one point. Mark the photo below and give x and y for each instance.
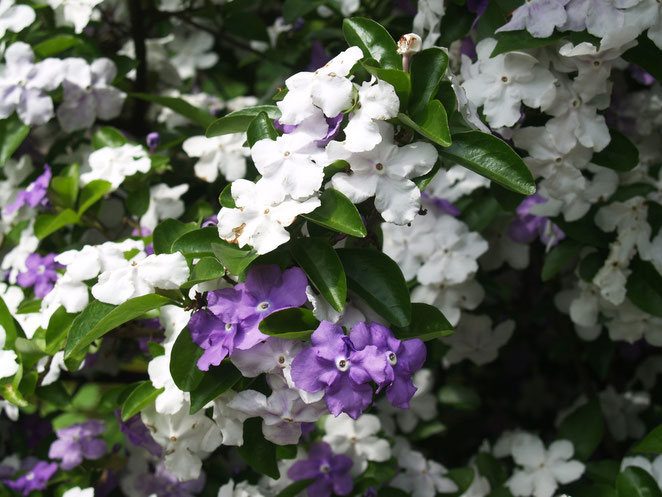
(339, 247)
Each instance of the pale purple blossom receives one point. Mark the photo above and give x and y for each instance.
(78, 442)
(35, 478)
(138, 434)
(538, 17)
(165, 484)
(331, 472)
(526, 227)
(34, 194)
(41, 274)
(153, 141)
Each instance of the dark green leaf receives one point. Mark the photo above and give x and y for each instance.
(509, 41)
(490, 157)
(56, 394)
(584, 428)
(233, 258)
(459, 397)
(432, 123)
(462, 477)
(98, 319)
(197, 243)
(644, 287)
(238, 121)
(56, 45)
(12, 134)
(559, 257)
(647, 56)
(651, 442)
(323, 268)
(584, 231)
(427, 323)
(294, 489)
(373, 40)
(137, 201)
(58, 327)
(226, 199)
(490, 467)
(167, 232)
(377, 279)
(9, 324)
(108, 137)
(91, 193)
(508, 199)
(590, 265)
(620, 155)
(142, 396)
(215, 383)
(259, 453)
(295, 323)
(207, 268)
(260, 128)
(636, 482)
(626, 192)
(293, 9)
(48, 223)
(392, 492)
(184, 362)
(338, 213)
(199, 116)
(427, 70)
(480, 212)
(604, 471)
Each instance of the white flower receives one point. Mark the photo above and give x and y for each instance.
(76, 13)
(385, 172)
(327, 89)
(503, 249)
(114, 164)
(480, 486)
(357, 439)
(628, 322)
(8, 363)
(79, 492)
(88, 94)
(450, 299)
(427, 21)
(164, 203)
(474, 339)
(621, 412)
(192, 53)
(323, 311)
(230, 421)
(259, 220)
(421, 477)
(14, 17)
(225, 153)
(203, 100)
(501, 83)
(377, 102)
(654, 468)
(455, 182)
(241, 489)
(14, 260)
(185, 438)
(542, 469)
(172, 398)
(538, 17)
(141, 276)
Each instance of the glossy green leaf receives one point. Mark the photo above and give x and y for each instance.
(294, 489)
(238, 121)
(92, 193)
(259, 453)
(98, 318)
(459, 397)
(293, 9)
(620, 155)
(462, 477)
(338, 213)
(64, 191)
(590, 265)
(377, 279)
(636, 482)
(557, 258)
(184, 362)
(56, 45)
(584, 428)
(57, 330)
(167, 232)
(197, 243)
(480, 212)
(431, 122)
(260, 128)
(427, 323)
(12, 134)
(323, 268)
(651, 442)
(137, 202)
(215, 383)
(108, 137)
(141, 397)
(207, 268)
(373, 40)
(233, 258)
(226, 199)
(491, 157)
(644, 287)
(46, 224)
(427, 70)
(295, 323)
(490, 467)
(646, 55)
(199, 116)
(11, 327)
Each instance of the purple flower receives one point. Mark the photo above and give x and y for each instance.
(40, 273)
(153, 141)
(468, 48)
(318, 56)
(332, 122)
(233, 314)
(77, 442)
(210, 221)
(528, 226)
(478, 7)
(331, 472)
(403, 359)
(442, 204)
(165, 484)
(34, 194)
(35, 478)
(333, 364)
(538, 17)
(138, 434)
(640, 75)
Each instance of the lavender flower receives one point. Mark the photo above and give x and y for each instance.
(331, 472)
(332, 122)
(153, 141)
(334, 364)
(403, 358)
(165, 484)
(233, 314)
(34, 194)
(35, 478)
(77, 442)
(538, 17)
(138, 434)
(528, 226)
(40, 273)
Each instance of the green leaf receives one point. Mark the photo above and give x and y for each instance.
(490, 467)
(427, 70)
(199, 116)
(480, 212)
(260, 128)
(508, 199)
(463, 477)
(295, 323)
(259, 453)
(398, 79)
(590, 265)
(373, 40)
(233, 258)
(11, 327)
(58, 327)
(12, 134)
(620, 155)
(48, 223)
(626, 192)
(427, 323)
(64, 190)
(137, 201)
(108, 137)
(636, 482)
(56, 45)
(488, 156)
(604, 471)
(226, 199)
(651, 442)
(197, 243)
(509, 41)
(644, 287)
(559, 257)
(392, 492)
(91, 193)
(294, 489)
(140, 398)
(584, 428)
(459, 397)
(377, 279)
(338, 213)
(322, 266)
(215, 383)
(647, 56)
(207, 268)
(431, 122)
(238, 121)
(293, 9)
(584, 231)
(184, 362)
(167, 232)
(56, 394)
(98, 318)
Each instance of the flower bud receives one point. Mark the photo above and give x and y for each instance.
(409, 44)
